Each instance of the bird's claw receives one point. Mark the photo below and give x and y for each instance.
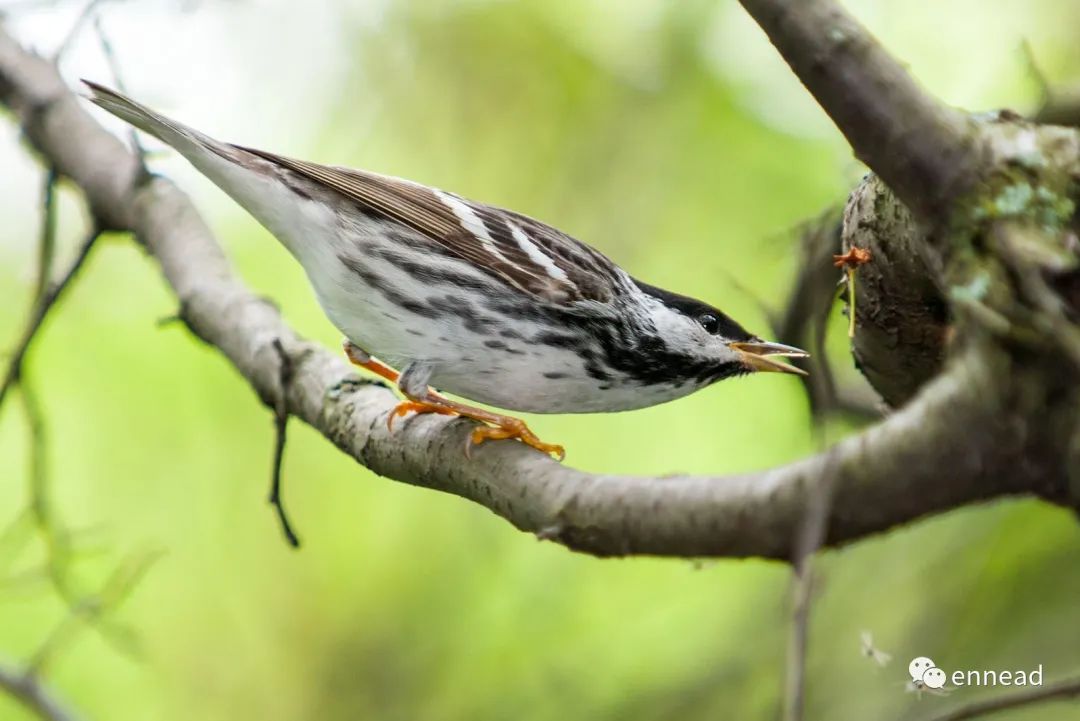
(515, 429)
(496, 427)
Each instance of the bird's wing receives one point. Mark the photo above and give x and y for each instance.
(517, 250)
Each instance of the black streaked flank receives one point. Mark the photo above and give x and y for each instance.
(431, 274)
(378, 283)
(559, 340)
(463, 309)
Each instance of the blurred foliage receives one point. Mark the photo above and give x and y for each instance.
(670, 136)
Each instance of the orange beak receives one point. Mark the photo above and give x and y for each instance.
(761, 355)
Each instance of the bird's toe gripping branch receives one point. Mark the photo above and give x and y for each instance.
(496, 427)
(507, 427)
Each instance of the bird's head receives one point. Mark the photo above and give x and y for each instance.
(713, 345)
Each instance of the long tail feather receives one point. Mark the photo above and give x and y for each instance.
(164, 129)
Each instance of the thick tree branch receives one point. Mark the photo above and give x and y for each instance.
(923, 150)
(901, 312)
(888, 475)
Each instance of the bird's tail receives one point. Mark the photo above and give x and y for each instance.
(248, 178)
(186, 140)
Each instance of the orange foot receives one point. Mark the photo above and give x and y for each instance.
(497, 427)
(508, 427)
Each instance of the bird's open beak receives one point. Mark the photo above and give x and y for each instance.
(760, 355)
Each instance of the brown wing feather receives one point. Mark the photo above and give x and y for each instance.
(587, 274)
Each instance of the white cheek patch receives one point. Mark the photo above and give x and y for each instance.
(675, 328)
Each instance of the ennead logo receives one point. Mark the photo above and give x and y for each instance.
(926, 674)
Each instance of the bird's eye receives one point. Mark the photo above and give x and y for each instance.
(709, 322)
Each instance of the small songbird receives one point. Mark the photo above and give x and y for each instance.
(481, 302)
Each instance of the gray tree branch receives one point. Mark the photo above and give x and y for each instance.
(901, 311)
(946, 448)
(922, 149)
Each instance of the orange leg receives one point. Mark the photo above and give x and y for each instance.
(497, 427)
(364, 360)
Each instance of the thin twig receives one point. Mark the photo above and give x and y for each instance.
(47, 241)
(1057, 105)
(1062, 108)
(13, 540)
(795, 683)
(811, 536)
(39, 511)
(171, 319)
(804, 322)
(76, 28)
(41, 310)
(114, 69)
(1058, 691)
(925, 151)
(28, 690)
(57, 539)
(1035, 71)
(46, 253)
(1050, 319)
(56, 542)
(91, 609)
(15, 7)
(281, 423)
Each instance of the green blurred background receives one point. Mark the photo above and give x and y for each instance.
(669, 135)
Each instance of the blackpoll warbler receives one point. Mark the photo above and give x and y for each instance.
(478, 301)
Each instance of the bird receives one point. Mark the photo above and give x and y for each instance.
(435, 291)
